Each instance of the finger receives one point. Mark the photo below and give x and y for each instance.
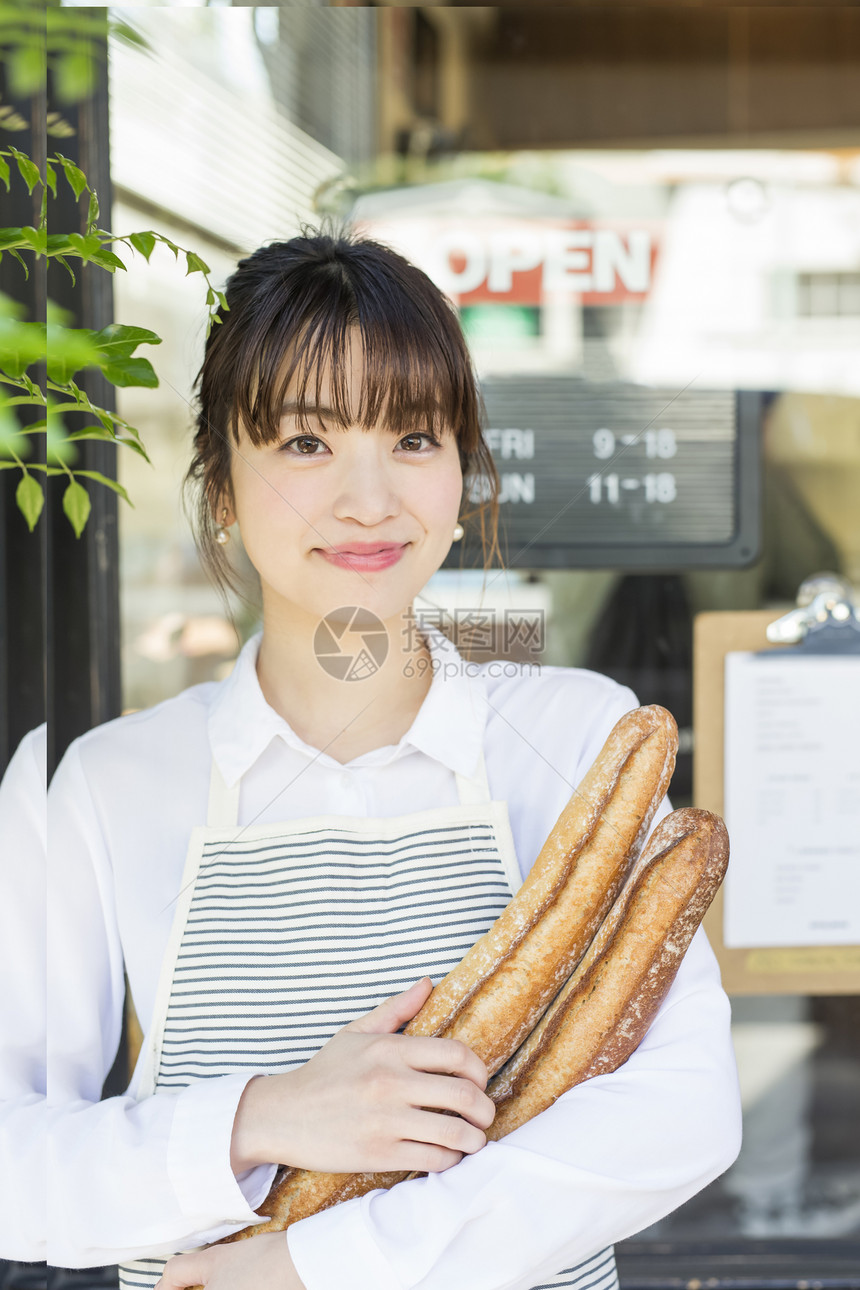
(389, 1016)
(183, 1270)
(459, 1096)
(444, 1057)
(425, 1158)
(447, 1131)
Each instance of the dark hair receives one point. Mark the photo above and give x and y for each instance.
(291, 305)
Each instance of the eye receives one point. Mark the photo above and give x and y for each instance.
(418, 436)
(302, 439)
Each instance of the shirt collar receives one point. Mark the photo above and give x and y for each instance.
(449, 726)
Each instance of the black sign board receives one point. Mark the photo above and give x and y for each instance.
(621, 476)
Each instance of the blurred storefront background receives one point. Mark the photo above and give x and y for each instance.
(649, 219)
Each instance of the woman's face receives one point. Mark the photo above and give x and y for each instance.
(302, 501)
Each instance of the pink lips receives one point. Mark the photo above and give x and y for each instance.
(364, 557)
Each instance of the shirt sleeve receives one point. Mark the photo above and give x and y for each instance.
(126, 1177)
(22, 1002)
(610, 1157)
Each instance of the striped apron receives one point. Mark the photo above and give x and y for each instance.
(284, 933)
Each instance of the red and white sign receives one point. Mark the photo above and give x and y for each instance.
(525, 262)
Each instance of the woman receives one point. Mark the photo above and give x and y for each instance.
(281, 861)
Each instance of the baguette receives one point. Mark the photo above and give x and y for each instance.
(496, 994)
(603, 1012)
(492, 1000)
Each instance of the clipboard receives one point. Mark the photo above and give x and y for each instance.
(826, 620)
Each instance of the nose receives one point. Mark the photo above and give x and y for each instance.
(366, 491)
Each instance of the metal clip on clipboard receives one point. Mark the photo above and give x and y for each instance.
(826, 621)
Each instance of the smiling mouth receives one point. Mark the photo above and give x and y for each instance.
(364, 551)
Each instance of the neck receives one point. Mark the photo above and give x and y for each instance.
(343, 718)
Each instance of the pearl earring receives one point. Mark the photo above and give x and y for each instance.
(458, 532)
(222, 534)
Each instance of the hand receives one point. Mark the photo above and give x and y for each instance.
(260, 1263)
(369, 1100)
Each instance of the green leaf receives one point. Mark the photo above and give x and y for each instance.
(21, 343)
(195, 264)
(55, 313)
(76, 177)
(11, 237)
(119, 341)
(11, 438)
(22, 262)
(137, 447)
(223, 301)
(93, 212)
(37, 238)
(26, 68)
(59, 21)
(124, 432)
(30, 499)
(4, 172)
(10, 308)
(92, 432)
(100, 433)
(58, 448)
(79, 406)
(174, 248)
(143, 242)
(109, 483)
(62, 260)
(122, 31)
(107, 260)
(70, 349)
(28, 169)
(131, 371)
(76, 506)
(85, 247)
(59, 243)
(58, 127)
(74, 76)
(51, 178)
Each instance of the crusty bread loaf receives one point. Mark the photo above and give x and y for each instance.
(492, 1000)
(603, 1012)
(496, 994)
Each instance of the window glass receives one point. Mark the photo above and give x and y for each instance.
(594, 246)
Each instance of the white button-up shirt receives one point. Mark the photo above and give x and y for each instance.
(128, 1178)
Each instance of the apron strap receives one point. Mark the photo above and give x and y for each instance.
(223, 809)
(474, 791)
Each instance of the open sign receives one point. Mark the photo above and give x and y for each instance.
(527, 264)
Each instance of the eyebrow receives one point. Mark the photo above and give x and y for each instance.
(322, 411)
(310, 409)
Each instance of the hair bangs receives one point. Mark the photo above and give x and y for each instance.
(408, 384)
